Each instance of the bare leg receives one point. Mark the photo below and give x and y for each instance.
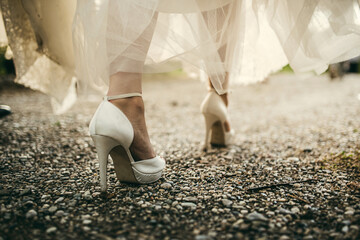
(224, 97)
(130, 82)
(134, 109)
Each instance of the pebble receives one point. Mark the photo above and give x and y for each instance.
(166, 185)
(72, 203)
(255, 216)
(349, 213)
(60, 199)
(31, 213)
(244, 211)
(284, 211)
(51, 230)
(29, 204)
(86, 221)
(270, 213)
(203, 237)
(88, 196)
(308, 237)
(226, 202)
(59, 213)
(188, 204)
(354, 228)
(52, 209)
(284, 237)
(295, 210)
(190, 199)
(25, 192)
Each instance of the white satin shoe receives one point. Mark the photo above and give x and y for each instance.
(215, 113)
(113, 134)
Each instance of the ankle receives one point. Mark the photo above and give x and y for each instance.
(224, 97)
(133, 104)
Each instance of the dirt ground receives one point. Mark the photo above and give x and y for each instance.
(292, 172)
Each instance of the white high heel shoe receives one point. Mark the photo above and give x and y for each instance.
(113, 134)
(215, 113)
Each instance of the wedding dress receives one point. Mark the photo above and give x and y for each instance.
(67, 48)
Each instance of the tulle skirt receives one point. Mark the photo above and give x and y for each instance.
(60, 46)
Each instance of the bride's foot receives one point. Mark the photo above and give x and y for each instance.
(134, 110)
(218, 132)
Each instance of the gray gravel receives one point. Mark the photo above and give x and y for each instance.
(276, 182)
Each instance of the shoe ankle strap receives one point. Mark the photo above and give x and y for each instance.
(126, 95)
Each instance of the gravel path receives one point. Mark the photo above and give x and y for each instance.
(293, 172)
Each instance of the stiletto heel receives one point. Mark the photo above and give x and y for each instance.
(103, 147)
(215, 114)
(113, 134)
(210, 119)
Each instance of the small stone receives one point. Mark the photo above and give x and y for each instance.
(45, 206)
(96, 194)
(29, 204)
(43, 197)
(72, 203)
(354, 228)
(226, 202)
(203, 237)
(255, 216)
(270, 213)
(238, 223)
(295, 210)
(346, 222)
(59, 213)
(284, 237)
(87, 195)
(349, 213)
(86, 216)
(282, 200)
(51, 230)
(86, 221)
(60, 199)
(77, 196)
(307, 150)
(190, 199)
(284, 211)
(31, 213)
(52, 209)
(345, 229)
(308, 237)
(188, 204)
(242, 203)
(244, 211)
(166, 185)
(25, 192)
(244, 226)
(349, 209)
